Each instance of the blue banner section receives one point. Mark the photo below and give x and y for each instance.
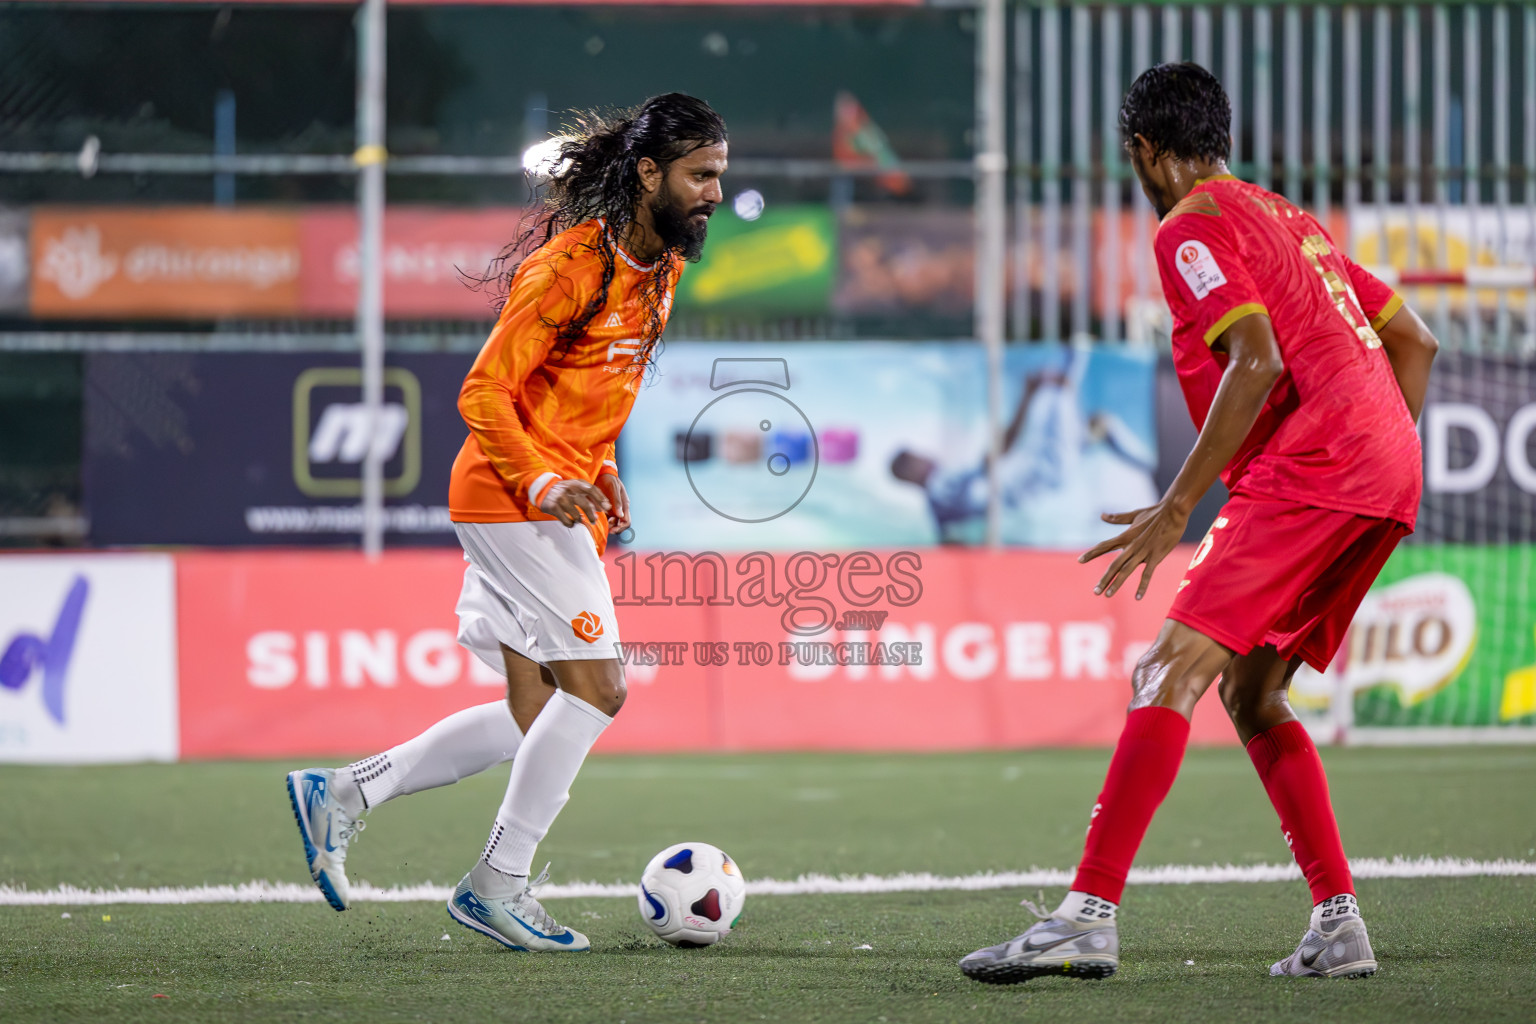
(871, 444)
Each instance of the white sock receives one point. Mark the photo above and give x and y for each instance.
(1327, 915)
(1081, 908)
(546, 766)
(462, 744)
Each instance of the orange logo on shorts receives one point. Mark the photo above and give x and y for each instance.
(587, 627)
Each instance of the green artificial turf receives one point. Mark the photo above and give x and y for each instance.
(1450, 949)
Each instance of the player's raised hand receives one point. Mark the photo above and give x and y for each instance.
(1152, 534)
(570, 500)
(618, 498)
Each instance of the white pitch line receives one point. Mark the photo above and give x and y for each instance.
(805, 885)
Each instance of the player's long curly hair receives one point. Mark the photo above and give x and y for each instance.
(596, 175)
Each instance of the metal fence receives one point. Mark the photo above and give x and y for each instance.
(1410, 129)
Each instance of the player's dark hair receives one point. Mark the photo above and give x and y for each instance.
(1182, 110)
(596, 175)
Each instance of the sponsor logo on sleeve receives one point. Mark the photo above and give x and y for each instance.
(1199, 268)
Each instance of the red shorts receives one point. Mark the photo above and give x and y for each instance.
(1274, 572)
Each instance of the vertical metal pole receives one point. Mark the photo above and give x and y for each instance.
(1202, 34)
(1082, 169)
(1050, 172)
(1381, 125)
(1412, 137)
(1109, 142)
(1530, 164)
(1471, 104)
(1503, 86)
(1023, 157)
(1322, 92)
(1292, 94)
(991, 236)
(1263, 125)
(1141, 60)
(224, 144)
(370, 157)
(1232, 64)
(1351, 131)
(1440, 129)
(1173, 33)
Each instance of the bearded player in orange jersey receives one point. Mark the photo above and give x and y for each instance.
(534, 492)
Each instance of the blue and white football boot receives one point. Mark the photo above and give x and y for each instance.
(513, 917)
(326, 828)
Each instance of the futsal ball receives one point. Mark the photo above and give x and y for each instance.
(691, 894)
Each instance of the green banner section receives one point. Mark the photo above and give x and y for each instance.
(784, 261)
(1446, 637)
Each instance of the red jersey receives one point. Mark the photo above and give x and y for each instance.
(1335, 432)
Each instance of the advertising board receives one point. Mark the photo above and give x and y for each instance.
(87, 658)
(1446, 639)
(431, 257)
(15, 261)
(168, 262)
(302, 654)
(237, 448)
(1479, 434)
(743, 446)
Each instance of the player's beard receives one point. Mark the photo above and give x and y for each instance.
(677, 227)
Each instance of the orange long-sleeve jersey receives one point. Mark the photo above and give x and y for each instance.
(541, 409)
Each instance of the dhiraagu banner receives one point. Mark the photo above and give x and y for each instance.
(785, 260)
(1446, 638)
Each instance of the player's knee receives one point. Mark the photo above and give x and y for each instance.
(1166, 676)
(1238, 700)
(611, 693)
(608, 691)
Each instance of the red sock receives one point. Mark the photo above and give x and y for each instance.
(1140, 775)
(1293, 776)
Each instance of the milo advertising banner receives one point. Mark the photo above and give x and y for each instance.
(1446, 638)
(783, 259)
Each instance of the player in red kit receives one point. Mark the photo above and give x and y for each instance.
(1305, 375)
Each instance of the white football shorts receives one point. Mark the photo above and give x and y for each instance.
(537, 587)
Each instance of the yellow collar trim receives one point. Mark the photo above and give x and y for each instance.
(1215, 177)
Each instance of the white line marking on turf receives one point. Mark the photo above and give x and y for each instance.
(805, 885)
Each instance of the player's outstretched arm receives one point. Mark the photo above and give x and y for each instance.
(1253, 366)
(1410, 348)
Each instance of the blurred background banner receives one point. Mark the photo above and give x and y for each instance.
(276, 648)
(238, 449)
(1479, 432)
(432, 260)
(781, 260)
(172, 262)
(15, 262)
(87, 658)
(1446, 639)
(885, 444)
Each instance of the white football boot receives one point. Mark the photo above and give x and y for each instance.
(1337, 948)
(513, 917)
(1051, 946)
(326, 829)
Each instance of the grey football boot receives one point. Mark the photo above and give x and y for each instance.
(1051, 946)
(1340, 950)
